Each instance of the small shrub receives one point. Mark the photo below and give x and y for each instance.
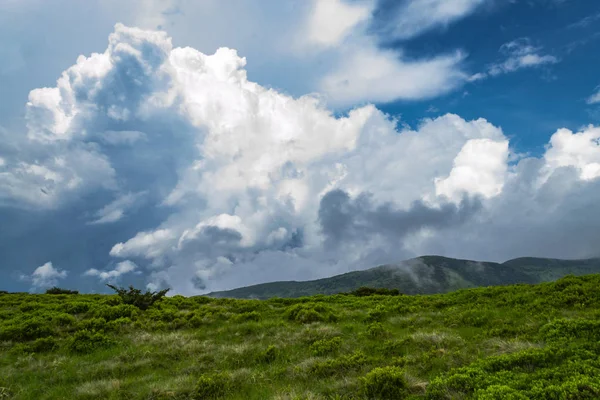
(63, 319)
(269, 355)
(110, 313)
(341, 365)
(377, 314)
(367, 291)
(84, 341)
(309, 313)
(326, 346)
(135, 297)
(24, 330)
(499, 392)
(213, 386)
(57, 290)
(76, 307)
(376, 329)
(387, 383)
(93, 324)
(44, 344)
(117, 324)
(248, 316)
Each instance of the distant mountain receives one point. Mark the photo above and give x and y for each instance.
(425, 275)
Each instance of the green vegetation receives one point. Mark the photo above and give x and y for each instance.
(523, 341)
(424, 275)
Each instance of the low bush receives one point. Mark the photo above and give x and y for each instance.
(341, 365)
(326, 346)
(367, 291)
(57, 290)
(25, 330)
(376, 329)
(85, 341)
(310, 312)
(386, 383)
(135, 297)
(269, 355)
(214, 386)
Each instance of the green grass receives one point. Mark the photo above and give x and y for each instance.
(510, 342)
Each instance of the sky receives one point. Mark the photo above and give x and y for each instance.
(207, 145)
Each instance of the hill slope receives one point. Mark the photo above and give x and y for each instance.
(504, 342)
(425, 275)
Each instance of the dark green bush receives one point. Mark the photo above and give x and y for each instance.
(84, 341)
(341, 365)
(76, 307)
(213, 386)
(63, 319)
(367, 291)
(93, 324)
(135, 297)
(310, 312)
(110, 313)
(377, 314)
(57, 290)
(269, 355)
(248, 316)
(376, 329)
(387, 383)
(326, 346)
(25, 330)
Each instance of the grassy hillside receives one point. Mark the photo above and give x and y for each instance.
(513, 342)
(425, 275)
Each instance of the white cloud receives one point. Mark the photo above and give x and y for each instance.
(414, 17)
(374, 75)
(124, 267)
(332, 20)
(519, 54)
(479, 169)
(45, 276)
(114, 211)
(594, 99)
(580, 150)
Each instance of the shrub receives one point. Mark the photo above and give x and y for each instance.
(110, 313)
(24, 330)
(367, 291)
(326, 346)
(93, 324)
(248, 316)
(387, 383)
(269, 355)
(84, 341)
(376, 329)
(213, 386)
(341, 365)
(376, 314)
(43, 344)
(76, 307)
(63, 319)
(57, 290)
(310, 312)
(117, 324)
(135, 297)
(499, 392)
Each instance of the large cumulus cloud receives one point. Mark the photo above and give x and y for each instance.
(215, 181)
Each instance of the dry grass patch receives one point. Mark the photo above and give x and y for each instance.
(99, 387)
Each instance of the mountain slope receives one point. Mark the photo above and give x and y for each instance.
(425, 275)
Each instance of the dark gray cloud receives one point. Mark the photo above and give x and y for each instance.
(344, 219)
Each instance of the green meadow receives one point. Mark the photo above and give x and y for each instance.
(504, 342)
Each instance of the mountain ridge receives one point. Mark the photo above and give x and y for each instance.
(429, 274)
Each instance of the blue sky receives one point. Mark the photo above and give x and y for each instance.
(204, 146)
